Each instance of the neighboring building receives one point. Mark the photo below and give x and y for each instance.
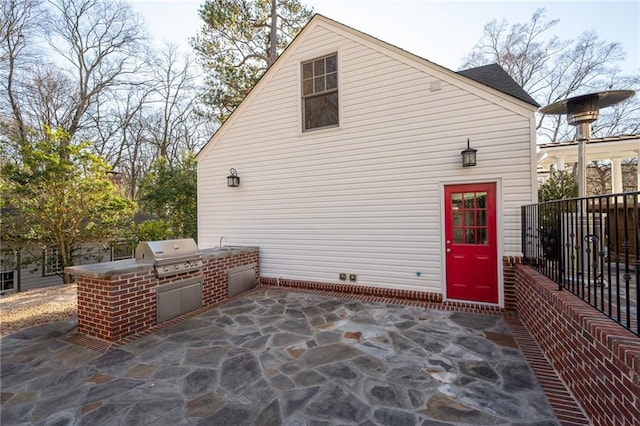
(32, 267)
(29, 266)
(616, 157)
(349, 157)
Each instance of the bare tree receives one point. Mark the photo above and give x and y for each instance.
(89, 48)
(151, 119)
(139, 157)
(19, 20)
(112, 116)
(550, 69)
(623, 118)
(519, 49)
(48, 97)
(134, 155)
(175, 93)
(84, 66)
(100, 41)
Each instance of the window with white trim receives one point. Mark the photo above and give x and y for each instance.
(51, 264)
(320, 93)
(8, 267)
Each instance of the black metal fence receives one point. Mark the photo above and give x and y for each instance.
(591, 247)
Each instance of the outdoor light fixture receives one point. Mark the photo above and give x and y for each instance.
(233, 180)
(468, 156)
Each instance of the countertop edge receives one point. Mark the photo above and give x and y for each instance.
(127, 266)
(109, 269)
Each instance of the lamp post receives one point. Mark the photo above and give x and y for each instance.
(581, 111)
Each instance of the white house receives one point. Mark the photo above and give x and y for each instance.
(349, 157)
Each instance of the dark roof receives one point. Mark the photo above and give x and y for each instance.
(493, 75)
(140, 217)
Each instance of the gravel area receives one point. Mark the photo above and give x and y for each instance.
(39, 306)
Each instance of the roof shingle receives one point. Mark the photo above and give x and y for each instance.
(493, 75)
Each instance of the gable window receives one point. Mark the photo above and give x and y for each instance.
(320, 92)
(51, 264)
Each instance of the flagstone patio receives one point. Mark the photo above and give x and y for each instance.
(280, 357)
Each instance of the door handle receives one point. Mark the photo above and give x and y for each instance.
(448, 250)
(448, 242)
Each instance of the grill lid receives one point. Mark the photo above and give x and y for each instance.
(166, 250)
(170, 257)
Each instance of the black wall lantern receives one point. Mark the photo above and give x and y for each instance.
(233, 179)
(469, 156)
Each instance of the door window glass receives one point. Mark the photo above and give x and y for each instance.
(456, 201)
(481, 218)
(469, 217)
(469, 200)
(482, 236)
(481, 199)
(470, 234)
(457, 218)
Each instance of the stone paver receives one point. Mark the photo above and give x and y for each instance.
(275, 357)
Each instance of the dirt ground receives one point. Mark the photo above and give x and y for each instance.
(38, 306)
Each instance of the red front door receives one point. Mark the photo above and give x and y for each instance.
(470, 242)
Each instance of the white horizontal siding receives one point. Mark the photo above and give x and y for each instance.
(364, 198)
(31, 272)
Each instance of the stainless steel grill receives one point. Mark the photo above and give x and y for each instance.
(170, 257)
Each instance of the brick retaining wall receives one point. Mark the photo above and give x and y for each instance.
(598, 359)
(354, 289)
(509, 264)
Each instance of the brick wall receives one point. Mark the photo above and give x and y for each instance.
(354, 289)
(597, 358)
(215, 288)
(114, 307)
(509, 264)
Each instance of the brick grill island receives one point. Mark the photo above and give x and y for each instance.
(119, 299)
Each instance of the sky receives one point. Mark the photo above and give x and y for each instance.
(440, 31)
